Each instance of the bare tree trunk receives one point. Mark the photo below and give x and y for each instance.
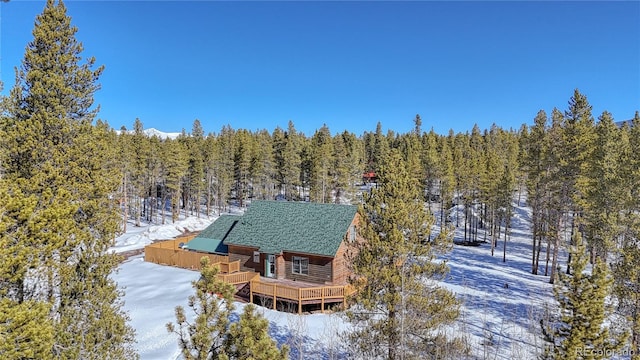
(573, 228)
(538, 249)
(125, 201)
(504, 246)
(466, 218)
(547, 257)
(393, 336)
(554, 261)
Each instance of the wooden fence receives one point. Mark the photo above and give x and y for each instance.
(169, 253)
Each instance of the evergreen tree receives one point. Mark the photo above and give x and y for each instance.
(340, 169)
(626, 267)
(249, 338)
(580, 332)
(26, 330)
(291, 162)
(262, 169)
(58, 163)
(212, 304)
(321, 161)
(176, 165)
(555, 189)
(138, 181)
(605, 188)
(432, 168)
(243, 148)
(447, 179)
(211, 334)
(578, 137)
(399, 304)
(195, 182)
(380, 148)
(223, 165)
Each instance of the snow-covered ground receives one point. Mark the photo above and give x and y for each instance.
(502, 302)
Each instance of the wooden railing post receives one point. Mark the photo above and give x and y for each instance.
(251, 292)
(344, 297)
(299, 301)
(274, 296)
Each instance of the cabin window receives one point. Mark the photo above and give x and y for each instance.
(256, 257)
(352, 233)
(300, 265)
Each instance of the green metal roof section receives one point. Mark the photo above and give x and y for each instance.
(211, 239)
(277, 226)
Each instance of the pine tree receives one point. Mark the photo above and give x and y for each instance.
(59, 164)
(243, 148)
(578, 137)
(262, 169)
(138, 179)
(432, 168)
(340, 169)
(224, 165)
(176, 165)
(321, 162)
(291, 162)
(195, 182)
(605, 188)
(399, 305)
(626, 266)
(212, 304)
(249, 338)
(26, 330)
(380, 148)
(447, 180)
(581, 332)
(211, 334)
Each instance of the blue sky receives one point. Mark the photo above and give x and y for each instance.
(257, 65)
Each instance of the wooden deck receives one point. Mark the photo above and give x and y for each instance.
(297, 293)
(294, 292)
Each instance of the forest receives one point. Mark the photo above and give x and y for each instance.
(70, 183)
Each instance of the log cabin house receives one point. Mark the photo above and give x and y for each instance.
(289, 252)
(294, 241)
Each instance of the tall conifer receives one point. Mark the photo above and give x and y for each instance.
(580, 331)
(399, 305)
(58, 162)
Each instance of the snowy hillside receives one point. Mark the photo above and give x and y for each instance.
(502, 301)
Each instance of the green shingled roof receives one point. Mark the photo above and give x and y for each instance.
(211, 239)
(277, 226)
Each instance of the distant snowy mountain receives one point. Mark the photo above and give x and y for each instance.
(160, 134)
(622, 123)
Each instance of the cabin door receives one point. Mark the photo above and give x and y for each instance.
(270, 266)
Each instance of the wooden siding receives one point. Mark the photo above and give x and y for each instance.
(245, 256)
(280, 267)
(320, 269)
(341, 267)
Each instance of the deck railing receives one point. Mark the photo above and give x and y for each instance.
(238, 277)
(298, 294)
(228, 267)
